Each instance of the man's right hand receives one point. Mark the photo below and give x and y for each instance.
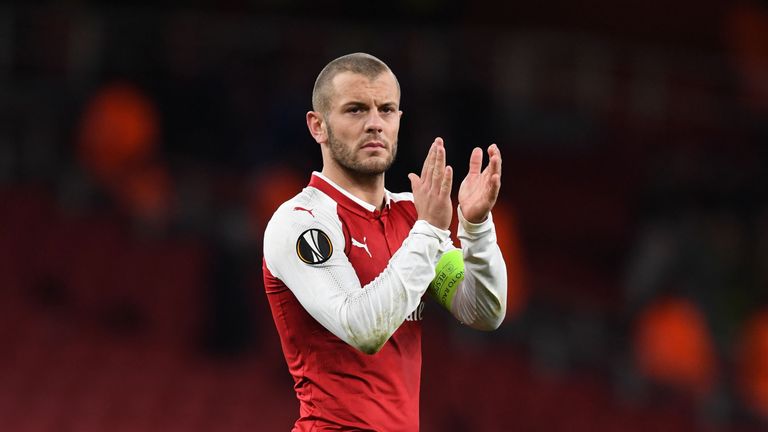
(432, 190)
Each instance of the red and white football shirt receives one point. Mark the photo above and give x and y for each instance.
(344, 282)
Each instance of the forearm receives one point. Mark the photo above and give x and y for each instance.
(371, 315)
(363, 316)
(480, 300)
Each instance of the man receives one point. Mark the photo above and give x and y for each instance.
(346, 262)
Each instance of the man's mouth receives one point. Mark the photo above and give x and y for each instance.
(374, 144)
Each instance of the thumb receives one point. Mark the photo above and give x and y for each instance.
(414, 180)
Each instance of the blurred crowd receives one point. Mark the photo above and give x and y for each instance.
(143, 149)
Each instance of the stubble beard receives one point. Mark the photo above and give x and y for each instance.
(346, 158)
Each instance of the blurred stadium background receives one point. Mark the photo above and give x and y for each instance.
(143, 148)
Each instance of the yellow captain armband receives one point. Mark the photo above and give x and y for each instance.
(448, 274)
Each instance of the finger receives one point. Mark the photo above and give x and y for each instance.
(438, 170)
(428, 161)
(475, 161)
(494, 149)
(494, 164)
(447, 184)
(494, 185)
(495, 154)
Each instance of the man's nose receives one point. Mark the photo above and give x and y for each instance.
(374, 122)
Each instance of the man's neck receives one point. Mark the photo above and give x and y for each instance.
(367, 187)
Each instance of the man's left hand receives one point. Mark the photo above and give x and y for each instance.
(479, 190)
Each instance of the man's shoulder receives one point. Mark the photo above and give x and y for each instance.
(302, 228)
(308, 206)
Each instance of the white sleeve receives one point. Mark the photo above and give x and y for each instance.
(330, 290)
(481, 299)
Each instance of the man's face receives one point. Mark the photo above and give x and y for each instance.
(363, 122)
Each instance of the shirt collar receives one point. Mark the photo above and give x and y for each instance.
(344, 197)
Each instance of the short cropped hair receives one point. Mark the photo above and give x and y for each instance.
(359, 63)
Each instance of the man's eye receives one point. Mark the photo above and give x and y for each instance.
(354, 110)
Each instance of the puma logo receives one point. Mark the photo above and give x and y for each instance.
(363, 245)
(303, 209)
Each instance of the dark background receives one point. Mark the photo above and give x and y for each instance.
(143, 147)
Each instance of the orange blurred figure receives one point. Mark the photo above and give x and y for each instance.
(673, 346)
(119, 129)
(752, 358)
(117, 145)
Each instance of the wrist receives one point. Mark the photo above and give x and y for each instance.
(472, 219)
(424, 227)
(474, 227)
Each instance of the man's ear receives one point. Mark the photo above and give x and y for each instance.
(316, 126)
